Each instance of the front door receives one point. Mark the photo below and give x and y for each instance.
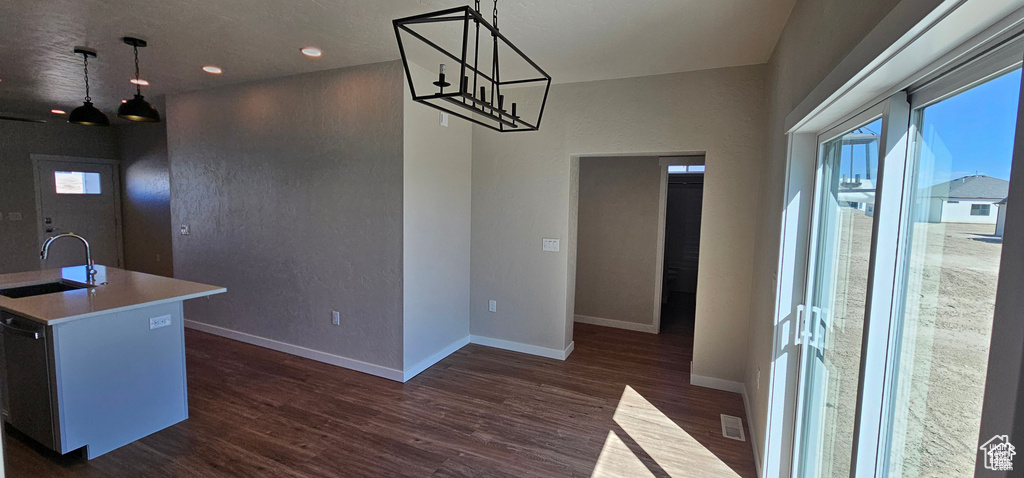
(80, 197)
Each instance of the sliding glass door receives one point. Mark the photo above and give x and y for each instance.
(833, 320)
(952, 246)
(907, 234)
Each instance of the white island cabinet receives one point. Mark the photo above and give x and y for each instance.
(93, 365)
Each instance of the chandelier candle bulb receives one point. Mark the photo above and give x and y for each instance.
(441, 83)
(501, 103)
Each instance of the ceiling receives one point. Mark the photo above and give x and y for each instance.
(574, 40)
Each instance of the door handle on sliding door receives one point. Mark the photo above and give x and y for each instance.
(799, 334)
(815, 329)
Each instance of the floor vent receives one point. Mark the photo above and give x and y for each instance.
(732, 427)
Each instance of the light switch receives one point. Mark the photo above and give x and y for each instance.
(492, 306)
(444, 119)
(185, 230)
(550, 245)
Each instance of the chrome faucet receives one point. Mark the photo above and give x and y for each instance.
(90, 267)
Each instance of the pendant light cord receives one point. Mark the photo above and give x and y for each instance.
(495, 14)
(87, 97)
(138, 87)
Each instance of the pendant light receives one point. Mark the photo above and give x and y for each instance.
(87, 114)
(137, 108)
(506, 96)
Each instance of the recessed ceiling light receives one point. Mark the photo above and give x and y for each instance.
(215, 70)
(124, 101)
(139, 81)
(58, 112)
(311, 51)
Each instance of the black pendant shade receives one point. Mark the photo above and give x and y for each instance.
(137, 108)
(87, 114)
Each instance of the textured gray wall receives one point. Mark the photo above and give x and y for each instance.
(293, 191)
(436, 215)
(19, 240)
(617, 238)
(146, 195)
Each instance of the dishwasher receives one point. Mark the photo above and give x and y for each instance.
(26, 372)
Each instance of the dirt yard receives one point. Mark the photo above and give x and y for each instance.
(950, 298)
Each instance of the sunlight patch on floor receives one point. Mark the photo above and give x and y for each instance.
(616, 459)
(672, 448)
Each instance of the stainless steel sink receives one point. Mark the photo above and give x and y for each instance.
(41, 289)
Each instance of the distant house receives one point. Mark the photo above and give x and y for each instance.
(970, 199)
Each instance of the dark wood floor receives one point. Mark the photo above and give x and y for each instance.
(621, 405)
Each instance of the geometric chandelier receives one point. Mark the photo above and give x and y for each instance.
(457, 62)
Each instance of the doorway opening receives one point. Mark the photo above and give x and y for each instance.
(683, 205)
(638, 241)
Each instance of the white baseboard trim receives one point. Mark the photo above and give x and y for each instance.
(345, 362)
(523, 348)
(618, 324)
(750, 427)
(431, 360)
(735, 387)
(717, 383)
(377, 370)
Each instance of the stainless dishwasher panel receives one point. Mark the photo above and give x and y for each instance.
(26, 357)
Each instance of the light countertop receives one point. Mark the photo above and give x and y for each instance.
(115, 290)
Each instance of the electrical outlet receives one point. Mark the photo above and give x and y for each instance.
(185, 230)
(157, 322)
(335, 317)
(14, 216)
(492, 306)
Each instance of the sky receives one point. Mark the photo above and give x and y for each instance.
(977, 127)
(970, 133)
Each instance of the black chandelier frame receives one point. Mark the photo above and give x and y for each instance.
(490, 106)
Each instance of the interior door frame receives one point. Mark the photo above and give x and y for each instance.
(115, 167)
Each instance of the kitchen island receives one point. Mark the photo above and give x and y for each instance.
(97, 364)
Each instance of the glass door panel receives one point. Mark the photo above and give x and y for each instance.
(960, 170)
(833, 321)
